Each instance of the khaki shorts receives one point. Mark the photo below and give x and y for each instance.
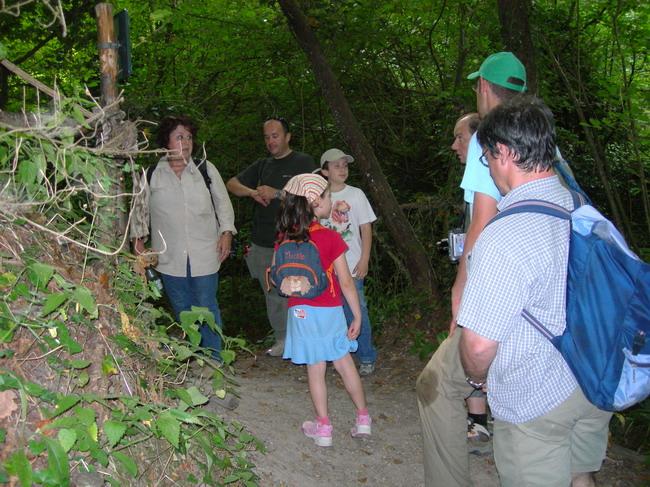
(545, 451)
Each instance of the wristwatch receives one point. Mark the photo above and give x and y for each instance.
(278, 193)
(226, 232)
(475, 385)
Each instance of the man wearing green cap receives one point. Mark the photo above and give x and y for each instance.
(500, 77)
(442, 386)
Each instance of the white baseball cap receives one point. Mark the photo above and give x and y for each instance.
(334, 155)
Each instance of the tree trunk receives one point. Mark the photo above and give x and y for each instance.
(515, 31)
(415, 257)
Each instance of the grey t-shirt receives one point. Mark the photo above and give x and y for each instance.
(272, 172)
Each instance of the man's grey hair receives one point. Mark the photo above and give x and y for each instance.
(524, 124)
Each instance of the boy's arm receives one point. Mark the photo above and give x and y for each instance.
(350, 292)
(361, 269)
(485, 208)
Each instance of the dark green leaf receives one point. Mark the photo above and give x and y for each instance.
(53, 301)
(36, 447)
(114, 431)
(27, 172)
(19, 466)
(169, 427)
(129, 465)
(58, 460)
(84, 297)
(86, 415)
(65, 403)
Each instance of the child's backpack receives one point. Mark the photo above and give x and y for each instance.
(605, 342)
(298, 271)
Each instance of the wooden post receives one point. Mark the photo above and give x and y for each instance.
(116, 133)
(107, 52)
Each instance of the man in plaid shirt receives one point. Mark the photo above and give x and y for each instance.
(545, 431)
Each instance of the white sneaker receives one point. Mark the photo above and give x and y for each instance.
(367, 368)
(277, 350)
(478, 439)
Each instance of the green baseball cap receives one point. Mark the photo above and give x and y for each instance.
(498, 67)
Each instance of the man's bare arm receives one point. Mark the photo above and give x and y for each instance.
(485, 208)
(476, 355)
(238, 189)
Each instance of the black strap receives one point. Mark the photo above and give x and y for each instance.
(261, 171)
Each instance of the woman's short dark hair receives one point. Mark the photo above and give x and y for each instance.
(169, 124)
(524, 124)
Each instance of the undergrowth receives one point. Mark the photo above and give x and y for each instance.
(90, 400)
(95, 380)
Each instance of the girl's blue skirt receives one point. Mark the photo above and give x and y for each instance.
(316, 334)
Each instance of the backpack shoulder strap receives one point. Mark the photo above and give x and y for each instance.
(150, 171)
(537, 324)
(203, 169)
(545, 208)
(579, 199)
(263, 165)
(318, 226)
(562, 168)
(534, 206)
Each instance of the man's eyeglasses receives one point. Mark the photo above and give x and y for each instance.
(484, 160)
(475, 86)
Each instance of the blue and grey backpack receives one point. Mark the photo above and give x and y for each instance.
(298, 271)
(606, 341)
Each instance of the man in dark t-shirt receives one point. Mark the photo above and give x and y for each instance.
(263, 181)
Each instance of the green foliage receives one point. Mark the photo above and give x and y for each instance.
(632, 427)
(423, 347)
(80, 434)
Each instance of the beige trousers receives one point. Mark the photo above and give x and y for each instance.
(442, 390)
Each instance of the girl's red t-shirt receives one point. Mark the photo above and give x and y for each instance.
(330, 246)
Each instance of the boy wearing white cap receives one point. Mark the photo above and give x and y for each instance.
(352, 218)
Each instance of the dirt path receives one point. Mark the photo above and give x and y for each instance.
(275, 401)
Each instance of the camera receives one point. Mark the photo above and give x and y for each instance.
(453, 245)
(234, 246)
